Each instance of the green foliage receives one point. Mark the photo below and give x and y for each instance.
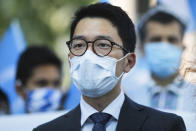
(41, 20)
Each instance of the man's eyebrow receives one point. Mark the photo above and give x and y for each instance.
(78, 37)
(104, 37)
(97, 37)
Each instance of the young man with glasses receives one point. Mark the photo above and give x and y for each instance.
(101, 49)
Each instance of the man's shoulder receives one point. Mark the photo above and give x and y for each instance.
(52, 124)
(153, 119)
(164, 120)
(159, 114)
(64, 122)
(154, 113)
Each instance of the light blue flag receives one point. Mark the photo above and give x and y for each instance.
(11, 45)
(107, 1)
(72, 98)
(192, 5)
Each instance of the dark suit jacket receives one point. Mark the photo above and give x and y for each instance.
(133, 117)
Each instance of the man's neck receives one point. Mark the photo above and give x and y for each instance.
(100, 103)
(164, 82)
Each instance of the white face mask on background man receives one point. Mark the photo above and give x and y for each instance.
(93, 75)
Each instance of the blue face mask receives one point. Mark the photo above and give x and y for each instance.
(43, 99)
(163, 58)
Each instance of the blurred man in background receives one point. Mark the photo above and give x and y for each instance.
(38, 79)
(161, 33)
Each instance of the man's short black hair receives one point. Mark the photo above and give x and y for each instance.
(33, 57)
(163, 18)
(4, 102)
(115, 15)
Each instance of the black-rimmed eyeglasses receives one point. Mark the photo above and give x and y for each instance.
(101, 47)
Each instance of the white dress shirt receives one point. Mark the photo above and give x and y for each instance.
(113, 109)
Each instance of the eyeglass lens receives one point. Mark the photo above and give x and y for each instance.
(101, 47)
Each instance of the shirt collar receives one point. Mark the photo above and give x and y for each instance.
(113, 108)
(174, 87)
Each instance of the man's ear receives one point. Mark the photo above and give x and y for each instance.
(130, 62)
(69, 60)
(141, 48)
(20, 89)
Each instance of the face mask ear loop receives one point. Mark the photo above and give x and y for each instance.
(120, 60)
(121, 75)
(123, 57)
